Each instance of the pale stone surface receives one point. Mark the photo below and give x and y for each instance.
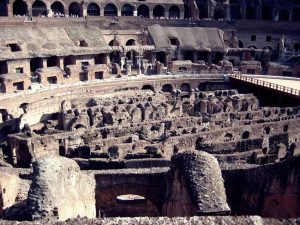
(9, 185)
(58, 183)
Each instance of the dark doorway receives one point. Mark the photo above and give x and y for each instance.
(93, 10)
(20, 8)
(143, 11)
(36, 63)
(75, 9)
(174, 12)
(53, 61)
(158, 11)
(250, 12)
(110, 10)
(284, 15)
(161, 57)
(127, 10)
(39, 8)
(57, 8)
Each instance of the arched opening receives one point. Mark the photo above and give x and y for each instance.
(235, 9)
(158, 11)
(267, 12)
(78, 126)
(75, 9)
(57, 8)
(69, 60)
(228, 137)
(188, 55)
(185, 87)
(296, 14)
(219, 13)
(36, 63)
(3, 8)
(113, 43)
(167, 88)
(3, 67)
(110, 10)
(130, 42)
(186, 11)
(127, 10)
(143, 11)
(241, 44)
(53, 61)
(161, 57)
(93, 10)
(250, 12)
(39, 8)
(20, 8)
(246, 135)
(100, 59)
(148, 87)
(202, 11)
(267, 130)
(284, 15)
(174, 12)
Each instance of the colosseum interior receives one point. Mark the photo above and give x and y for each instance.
(150, 112)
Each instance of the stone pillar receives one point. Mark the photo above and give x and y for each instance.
(194, 57)
(243, 11)
(61, 63)
(29, 9)
(84, 11)
(9, 10)
(150, 12)
(259, 11)
(166, 13)
(45, 63)
(119, 12)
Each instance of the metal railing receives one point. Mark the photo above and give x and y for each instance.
(267, 84)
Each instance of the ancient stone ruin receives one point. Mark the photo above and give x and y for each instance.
(149, 112)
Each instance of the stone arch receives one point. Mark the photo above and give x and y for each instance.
(174, 12)
(113, 43)
(167, 88)
(127, 10)
(39, 8)
(110, 10)
(284, 15)
(58, 8)
(20, 7)
(267, 12)
(75, 9)
(296, 14)
(93, 9)
(235, 9)
(143, 11)
(185, 87)
(130, 42)
(148, 87)
(3, 8)
(158, 11)
(250, 12)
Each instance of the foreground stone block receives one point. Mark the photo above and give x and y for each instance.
(198, 186)
(9, 185)
(60, 189)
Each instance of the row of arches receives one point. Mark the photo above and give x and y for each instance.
(251, 11)
(39, 8)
